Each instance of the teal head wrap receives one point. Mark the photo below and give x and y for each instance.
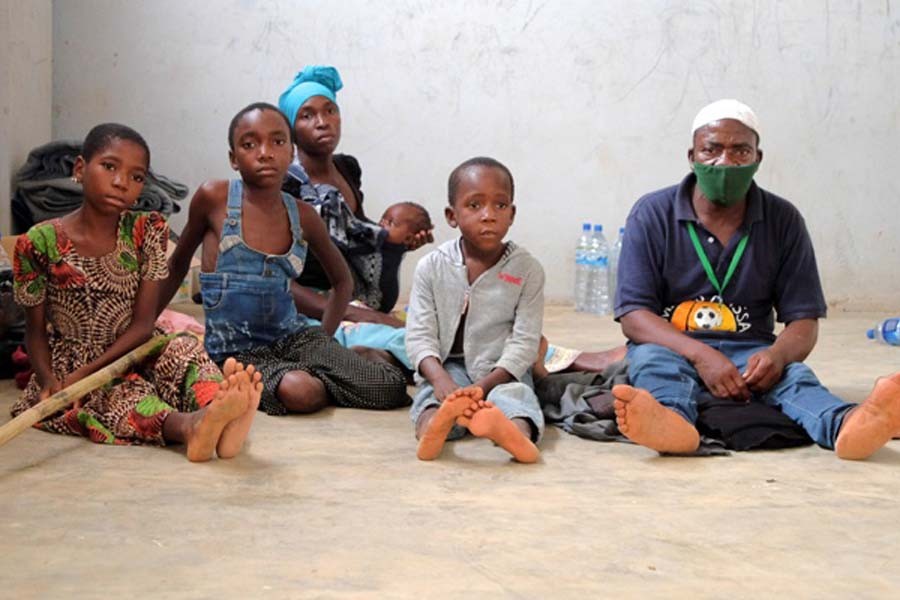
(313, 80)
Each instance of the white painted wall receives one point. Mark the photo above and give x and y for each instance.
(26, 50)
(590, 103)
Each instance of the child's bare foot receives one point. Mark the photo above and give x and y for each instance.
(249, 381)
(871, 425)
(645, 421)
(489, 422)
(207, 424)
(432, 439)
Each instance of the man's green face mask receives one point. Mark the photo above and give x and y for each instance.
(724, 186)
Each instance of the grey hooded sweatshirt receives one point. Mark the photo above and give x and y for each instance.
(505, 311)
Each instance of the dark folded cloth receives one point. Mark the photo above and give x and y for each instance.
(44, 188)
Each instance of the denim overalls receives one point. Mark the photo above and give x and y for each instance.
(248, 299)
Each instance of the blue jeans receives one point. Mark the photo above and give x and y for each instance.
(515, 399)
(674, 382)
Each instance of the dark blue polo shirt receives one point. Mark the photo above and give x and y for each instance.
(659, 269)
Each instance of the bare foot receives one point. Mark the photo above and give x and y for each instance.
(598, 361)
(645, 421)
(871, 425)
(249, 381)
(489, 422)
(431, 442)
(207, 424)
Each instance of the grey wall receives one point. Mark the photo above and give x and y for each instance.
(26, 50)
(590, 103)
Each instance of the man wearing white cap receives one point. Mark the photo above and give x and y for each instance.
(705, 267)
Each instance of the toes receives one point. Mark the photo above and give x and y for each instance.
(623, 392)
(229, 366)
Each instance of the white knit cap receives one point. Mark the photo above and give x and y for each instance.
(726, 109)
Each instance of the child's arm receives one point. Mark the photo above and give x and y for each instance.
(330, 258)
(202, 204)
(39, 350)
(30, 288)
(422, 337)
(313, 304)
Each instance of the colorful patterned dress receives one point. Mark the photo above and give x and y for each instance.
(88, 305)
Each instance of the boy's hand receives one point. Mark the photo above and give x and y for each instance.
(443, 387)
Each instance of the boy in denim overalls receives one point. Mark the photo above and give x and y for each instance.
(255, 240)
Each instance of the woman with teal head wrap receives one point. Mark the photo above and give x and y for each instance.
(313, 80)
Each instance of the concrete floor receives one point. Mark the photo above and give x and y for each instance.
(336, 505)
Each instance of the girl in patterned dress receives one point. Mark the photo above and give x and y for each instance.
(89, 283)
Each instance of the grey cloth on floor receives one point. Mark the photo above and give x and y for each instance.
(44, 188)
(581, 403)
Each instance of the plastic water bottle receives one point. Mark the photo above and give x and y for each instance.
(614, 253)
(886, 332)
(598, 258)
(582, 269)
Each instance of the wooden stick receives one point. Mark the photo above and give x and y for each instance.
(79, 389)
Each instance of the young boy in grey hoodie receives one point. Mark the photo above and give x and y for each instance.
(474, 323)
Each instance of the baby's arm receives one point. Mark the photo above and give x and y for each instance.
(330, 258)
(202, 204)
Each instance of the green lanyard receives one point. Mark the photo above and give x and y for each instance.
(708, 267)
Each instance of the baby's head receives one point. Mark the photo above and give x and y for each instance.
(480, 192)
(404, 220)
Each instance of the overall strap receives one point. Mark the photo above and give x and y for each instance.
(290, 203)
(231, 227)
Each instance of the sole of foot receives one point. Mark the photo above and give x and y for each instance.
(432, 440)
(645, 421)
(249, 381)
(488, 421)
(229, 403)
(873, 423)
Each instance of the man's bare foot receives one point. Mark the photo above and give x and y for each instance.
(249, 381)
(432, 439)
(596, 362)
(645, 421)
(488, 421)
(873, 423)
(206, 425)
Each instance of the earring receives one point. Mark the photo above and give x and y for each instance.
(75, 179)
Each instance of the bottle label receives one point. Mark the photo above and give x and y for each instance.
(891, 331)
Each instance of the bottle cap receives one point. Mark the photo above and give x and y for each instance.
(621, 230)
(598, 227)
(586, 227)
(870, 334)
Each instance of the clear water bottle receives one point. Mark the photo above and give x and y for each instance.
(614, 253)
(886, 332)
(582, 269)
(598, 259)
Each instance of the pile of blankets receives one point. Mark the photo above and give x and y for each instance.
(44, 188)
